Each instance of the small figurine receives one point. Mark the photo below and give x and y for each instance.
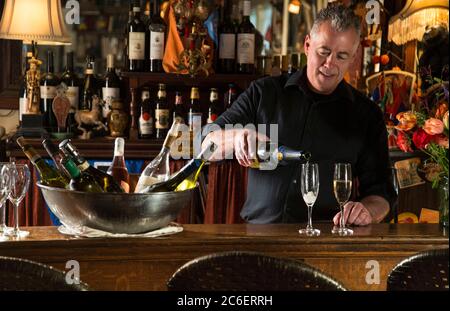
(61, 106)
(90, 118)
(33, 86)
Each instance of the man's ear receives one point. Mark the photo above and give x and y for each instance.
(307, 44)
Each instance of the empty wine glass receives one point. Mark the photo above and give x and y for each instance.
(310, 189)
(20, 179)
(5, 188)
(342, 184)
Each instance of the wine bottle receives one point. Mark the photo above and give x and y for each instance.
(23, 97)
(179, 112)
(192, 167)
(70, 79)
(90, 86)
(195, 113)
(162, 113)
(246, 43)
(146, 117)
(106, 181)
(157, 29)
(80, 180)
(230, 95)
(49, 175)
(118, 169)
(136, 40)
(158, 169)
(227, 43)
(48, 93)
(110, 87)
(56, 156)
(293, 64)
(213, 109)
(269, 155)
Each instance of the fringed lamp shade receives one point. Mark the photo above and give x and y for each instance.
(410, 23)
(34, 20)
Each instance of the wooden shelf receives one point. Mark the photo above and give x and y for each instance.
(95, 148)
(215, 80)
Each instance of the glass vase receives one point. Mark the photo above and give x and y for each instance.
(443, 202)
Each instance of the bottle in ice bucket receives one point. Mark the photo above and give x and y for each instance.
(106, 181)
(192, 168)
(118, 169)
(269, 155)
(158, 169)
(50, 176)
(80, 180)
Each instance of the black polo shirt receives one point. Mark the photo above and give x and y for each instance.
(344, 126)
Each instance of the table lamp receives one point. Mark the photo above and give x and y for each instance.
(33, 22)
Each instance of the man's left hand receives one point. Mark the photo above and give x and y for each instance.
(355, 213)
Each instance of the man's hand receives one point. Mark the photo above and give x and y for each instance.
(355, 213)
(241, 142)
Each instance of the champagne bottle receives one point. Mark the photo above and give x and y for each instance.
(136, 40)
(111, 86)
(179, 111)
(70, 79)
(158, 169)
(246, 43)
(106, 181)
(227, 42)
(157, 29)
(49, 175)
(56, 156)
(195, 113)
(80, 180)
(192, 167)
(269, 155)
(48, 93)
(213, 109)
(230, 96)
(118, 169)
(90, 86)
(162, 113)
(146, 117)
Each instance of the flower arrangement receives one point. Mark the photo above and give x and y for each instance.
(427, 129)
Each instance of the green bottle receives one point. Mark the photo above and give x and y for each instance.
(49, 175)
(80, 180)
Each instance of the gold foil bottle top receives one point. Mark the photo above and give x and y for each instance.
(194, 93)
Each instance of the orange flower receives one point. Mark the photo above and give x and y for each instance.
(441, 110)
(441, 140)
(445, 120)
(384, 59)
(407, 120)
(433, 126)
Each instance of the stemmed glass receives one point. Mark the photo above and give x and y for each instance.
(20, 180)
(342, 183)
(5, 188)
(310, 189)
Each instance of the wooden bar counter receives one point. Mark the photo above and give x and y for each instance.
(147, 263)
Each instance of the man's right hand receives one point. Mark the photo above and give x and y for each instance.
(241, 142)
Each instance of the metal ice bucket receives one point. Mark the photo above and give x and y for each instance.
(115, 212)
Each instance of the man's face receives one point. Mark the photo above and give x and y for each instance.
(330, 54)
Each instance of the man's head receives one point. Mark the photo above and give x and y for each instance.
(331, 47)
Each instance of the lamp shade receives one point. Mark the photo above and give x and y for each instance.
(410, 23)
(34, 20)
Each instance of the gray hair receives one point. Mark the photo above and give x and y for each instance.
(340, 17)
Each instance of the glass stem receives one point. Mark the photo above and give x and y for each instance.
(2, 216)
(341, 221)
(309, 226)
(16, 218)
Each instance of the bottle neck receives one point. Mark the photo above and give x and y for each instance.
(119, 147)
(50, 68)
(72, 168)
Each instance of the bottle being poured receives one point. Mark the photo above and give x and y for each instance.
(269, 155)
(185, 178)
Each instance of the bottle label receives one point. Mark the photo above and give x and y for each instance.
(23, 107)
(212, 117)
(136, 46)
(162, 118)
(48, 92)
(227, 46)
(246, 48)
(146, 124)
(156, 45)
(72, 93)
(109, 94)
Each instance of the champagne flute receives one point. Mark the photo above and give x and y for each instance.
(20, 180)
(310, 189)
(5, 188)
(342, 183)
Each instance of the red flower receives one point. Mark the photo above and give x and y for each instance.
(420, 138)
(403, 142)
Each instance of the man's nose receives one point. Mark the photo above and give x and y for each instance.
(330, 61)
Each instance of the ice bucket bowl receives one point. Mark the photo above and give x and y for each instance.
(115, 212)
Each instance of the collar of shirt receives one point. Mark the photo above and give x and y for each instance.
(299, 79)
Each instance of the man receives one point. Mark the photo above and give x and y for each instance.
(318, 112)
